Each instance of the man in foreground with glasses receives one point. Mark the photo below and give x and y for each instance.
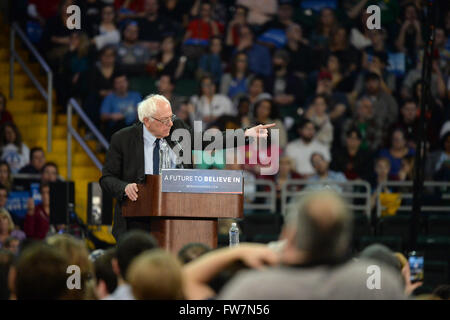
(134, 153)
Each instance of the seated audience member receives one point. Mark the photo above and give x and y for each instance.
(301, 149)
(211, 62)
(6, 263)
(287, 90)
(167, 61)
(314, 260)
(265, 113)
(437, 165)
(369, 126)
(37, 161)
(317, 113)
(321, 166)
(286, 172)
(12, 244)
(5, 115)
(235, 83)
(107, 33)
(321, 36)
(259, 60)
(381, 175)
(13, 150)
(210, 105)
(6, 178)
(256, 92)
(406, 172)
(37, 221)
(132, 56)
(156, 275)
(77, 254)
(204, 27)
(192, 251)
(398, 150)
(338, 66)
(41, 274)
(238, 20)
(259, 11)
(300, 53)
(166, 87)
(106, 280)
(98, 83)
(409, 122)
(273, 32)
(49, 172)
(351, 160)
(384, 105)
(129, 246)
(119, 109)
(7, 227)
(199, 274)
(129, 9)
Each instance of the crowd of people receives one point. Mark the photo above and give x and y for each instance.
(311, 260)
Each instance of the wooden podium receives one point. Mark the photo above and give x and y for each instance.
(178, 218)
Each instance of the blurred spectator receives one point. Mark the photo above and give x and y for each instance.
(127, 9)
(314, 263)
(107, 33)
(326, 24)
(56, 36)
(104, 274)
(397, 151)
(359, 34)
(166, 86)
(43, 10)
(75, 62)
(259, 11)
(256, 92)
(321, 167)
(384, 105)
(210, 105)
(287, 90)
(342, 78)
(273, 32)
(132, 56)
(41, 274)
(192, 251)
(6, 263)
(286, 172)
(378, 45)
(156, 275)
(441, 45)
(119, 109)
(37, 161)
(409, 122)
(301, 61)
(369, 126)
(153, 27)
(7, 227)
(129, 246)
(49, 172)
(6, 179)
(176, 10)
(259, 61)
(14, 151)
(211, 63)
(76, 253)
(381, 175)
(301, 149)
(235, 83)
(442, 291)
(239, 19)
(91, 11)
(98, 83)
(317, 113)
(352, 160)
(5, 115)
(204, 27)
(340, 46)
(12, 244)
(377, 65)
(167, 61)
(437, 165)
(266, 113)
(37, 221)
(406, 172)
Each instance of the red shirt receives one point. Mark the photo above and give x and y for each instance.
(37, 225)
(46, 8)
(202, 30)
(136, 5)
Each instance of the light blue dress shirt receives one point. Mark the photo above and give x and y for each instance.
(149, 144)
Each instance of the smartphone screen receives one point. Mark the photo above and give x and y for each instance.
(416, 261)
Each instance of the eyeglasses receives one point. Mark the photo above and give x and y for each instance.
(166, 121)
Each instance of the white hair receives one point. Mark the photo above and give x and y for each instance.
(148, 106)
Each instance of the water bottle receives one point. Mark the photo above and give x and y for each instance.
(234, 235)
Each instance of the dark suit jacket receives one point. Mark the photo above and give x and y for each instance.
(124, 164)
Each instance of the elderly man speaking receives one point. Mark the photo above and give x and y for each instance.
(134, 152)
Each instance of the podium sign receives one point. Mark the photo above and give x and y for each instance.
(202, 181)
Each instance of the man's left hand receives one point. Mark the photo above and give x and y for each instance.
(259, 131)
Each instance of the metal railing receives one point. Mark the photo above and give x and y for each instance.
(72, 132)
(270, 196)
(349, 190)
(46, 94)
(408, 195)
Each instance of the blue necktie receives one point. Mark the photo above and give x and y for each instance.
(156, 157)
